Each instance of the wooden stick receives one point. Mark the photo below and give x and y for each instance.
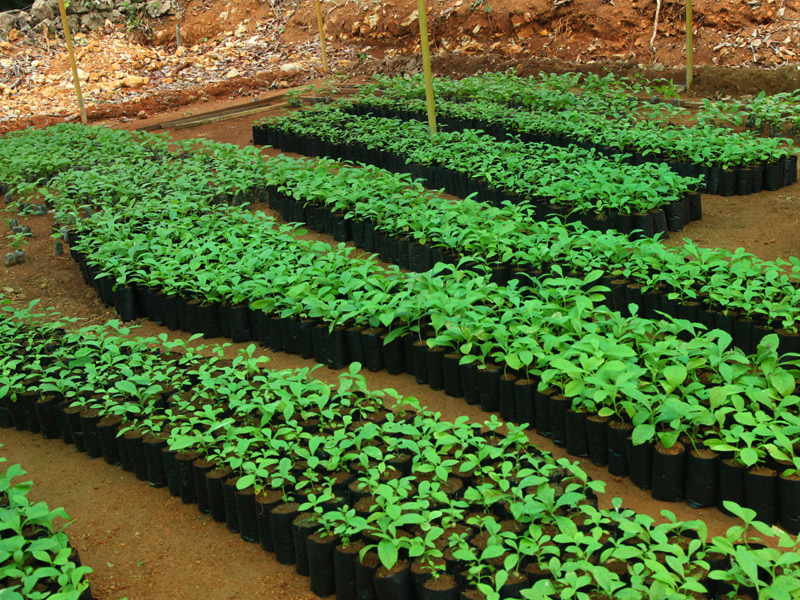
(689, 46)
(426, 64)
(322, 38)
(62, 9)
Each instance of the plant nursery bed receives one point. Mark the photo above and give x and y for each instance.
(142, 535)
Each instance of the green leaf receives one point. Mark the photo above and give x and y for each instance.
(387, 553)
(562, 364)
(573, 388)
(668, 438)
(643, 433)
(513, 361)
(744, 513)
(500, 579)
(493, 551)
(675, 375)
(747, 562)
(749, 457)
(783, 382)
(603, 578)
(245, 482)
(126, 386)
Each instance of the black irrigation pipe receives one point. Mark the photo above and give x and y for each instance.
(673, 217)
(701, 477)
(741, 181)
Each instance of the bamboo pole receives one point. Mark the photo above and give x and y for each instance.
(62, 9)
(689, 46)
(322, 38)
(426, 64)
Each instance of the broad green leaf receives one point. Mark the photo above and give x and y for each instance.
(749, 457)
(643, 433)
(387, 553)
(783, 382)
(126, 387)
(675, 375)
(245, 482)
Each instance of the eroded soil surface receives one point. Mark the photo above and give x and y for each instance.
(242, 48)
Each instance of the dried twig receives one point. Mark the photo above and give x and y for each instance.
(335, 6)
(275, 10)
(655, 26)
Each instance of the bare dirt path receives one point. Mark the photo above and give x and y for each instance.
(142, 543)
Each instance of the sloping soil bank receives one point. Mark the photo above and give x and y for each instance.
(726, 32)
(709, 81)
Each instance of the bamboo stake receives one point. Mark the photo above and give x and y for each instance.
(426, 64)
(689, 46)
(62, 9)
(322, 38)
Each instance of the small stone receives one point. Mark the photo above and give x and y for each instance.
(409, 19)
(141, 114)
(133, 81)
(158, 8)
(92, 21)
(13, 35)
(290, 67)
